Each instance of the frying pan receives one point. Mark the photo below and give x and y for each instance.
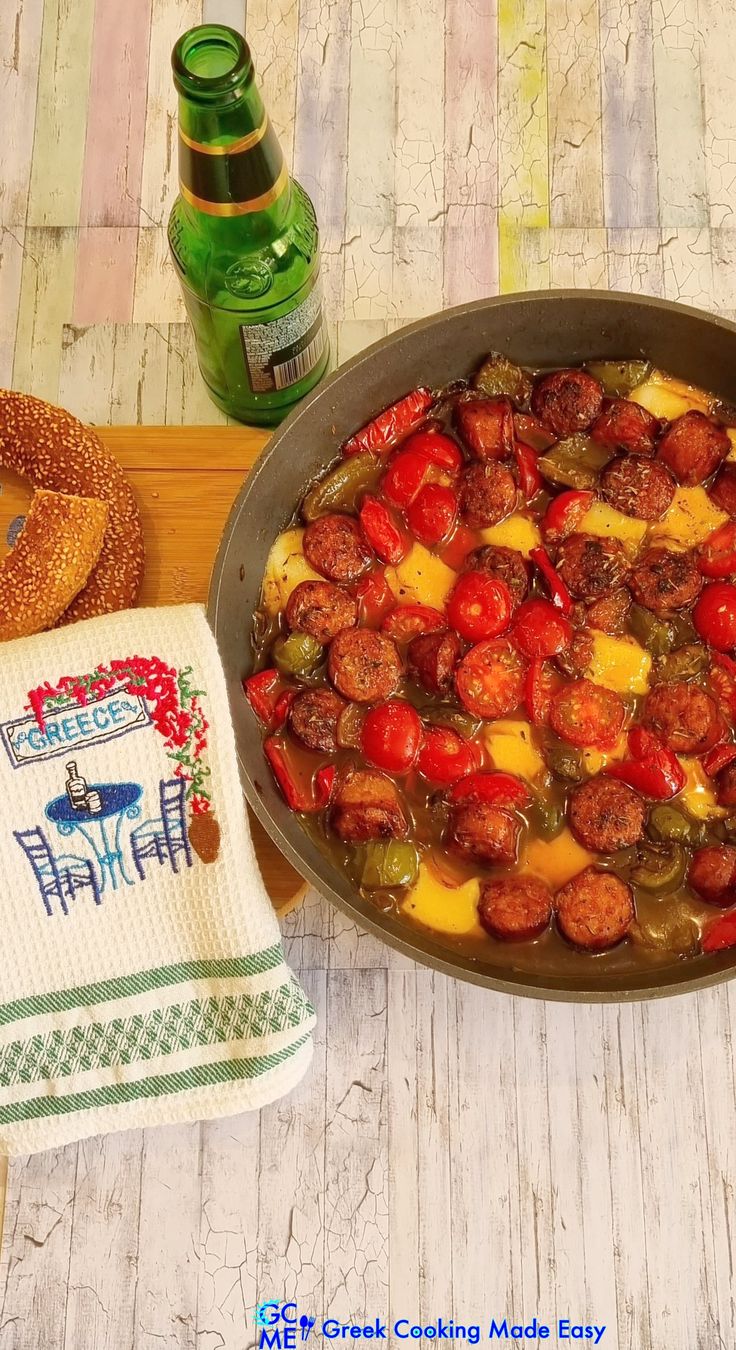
(537, 328)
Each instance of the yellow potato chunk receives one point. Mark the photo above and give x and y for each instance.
(608, 523)
(515, 532)
(667, 398)
(285, 568)
(619, 663)
(556, 860)
(697, 796)
(595, 760)
(689, 520)
(446, 909)
(421, 579)
(512, 749)
(731, 433)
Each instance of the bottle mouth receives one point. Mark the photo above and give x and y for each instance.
(210, 61)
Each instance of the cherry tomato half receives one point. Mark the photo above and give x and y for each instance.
(498, 789)
(445, 756)
(717, 555)
(490, 679)
(565, 512)
(407, 621)
(586, 714)
(438, 448)
(432, 514)
(539, 629)
(479, 606)
(714, 615)
(722, 676)
(391, 735)
(381, 530)
(404, 476)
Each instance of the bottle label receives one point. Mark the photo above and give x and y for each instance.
(286, 350)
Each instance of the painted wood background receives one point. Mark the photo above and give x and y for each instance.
(452, 1152)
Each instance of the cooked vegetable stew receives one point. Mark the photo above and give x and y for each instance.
(495, 665)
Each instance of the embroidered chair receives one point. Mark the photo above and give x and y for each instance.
(165, 837)
(58, 877)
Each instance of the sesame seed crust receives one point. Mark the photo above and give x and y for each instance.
(52, 557)
(55, 451)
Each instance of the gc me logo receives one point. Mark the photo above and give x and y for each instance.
(281, 1326)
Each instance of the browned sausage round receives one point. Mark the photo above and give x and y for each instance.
(693, 447)
(515, 908)
(364, 666)
(723, 490)
(637, 486)
(432, 658)
(627, 427)
(334, 546)
(487, 427)
(503, 563)
(606, 814)
(487, 494)
(664, 579)
(575, 658)
(320, 609)
(313, 718)
(366, 805)
(683, 716)
(567, 401)
(712, 874)
(484, 832)
(591, 567)
(594, 910)
(726, 786)
(610, 613)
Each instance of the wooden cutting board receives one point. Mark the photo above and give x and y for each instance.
(186, 479)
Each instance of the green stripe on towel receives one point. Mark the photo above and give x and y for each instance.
(161, 1085)
(126, 985)
(144, 1036)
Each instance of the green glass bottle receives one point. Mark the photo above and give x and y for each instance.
(243, 236)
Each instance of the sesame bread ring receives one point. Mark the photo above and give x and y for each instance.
(53, 450)
(53, 555)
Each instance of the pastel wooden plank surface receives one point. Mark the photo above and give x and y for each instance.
(20, 37)
(61, 113)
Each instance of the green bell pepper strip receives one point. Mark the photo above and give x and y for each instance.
(389, 863)
(342, 487)
(298, 654)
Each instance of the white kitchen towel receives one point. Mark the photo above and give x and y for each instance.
(142, 980)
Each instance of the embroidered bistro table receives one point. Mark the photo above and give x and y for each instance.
(102, 829)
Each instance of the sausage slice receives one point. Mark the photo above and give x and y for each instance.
(723, 490)
(313, 718)
(610, 613)
(664, 580)
(364, 666)
(638, 487)
(626, 427)
(591, 567)
(334, 546)
(693, 447)
(432, 658)
(712, 874)
(366, 805)
(487, 427)
(684, 716)
(484, 832)
(726, 786)
(515, 909)
(594, 910)
(488, 494)
(505, 564)
(567, 401)
(606, 814)
(320, 609)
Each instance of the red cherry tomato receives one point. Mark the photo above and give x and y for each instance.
(714, 615)
(445, 756)
(456, 551)
(391, 735)
(717, 555)
(407, 621)
(720, 934)
(375, 598)
(438, 448)
(717, 758)
(498, 789)
(564, 513)
(586, 714)
(432, 514)
(490, 679)
(654, 770)
(479, 606)
(381, 530)
(403, 478)
(540, 684)
(722, 676)
(539, 629)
